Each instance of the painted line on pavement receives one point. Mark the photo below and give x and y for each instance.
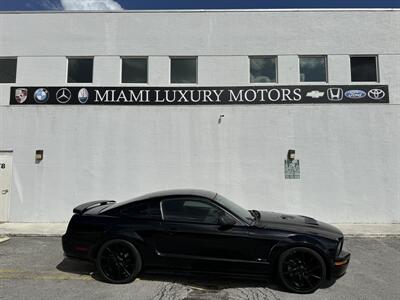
(19, 274)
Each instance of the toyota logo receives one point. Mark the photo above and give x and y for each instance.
(63, 95)
(376, 94)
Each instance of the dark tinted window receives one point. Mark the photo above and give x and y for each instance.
(8, 70)
(147, 210)
(262, 69)
(80, 70)
(183, 70)
(363, 68)
(312, 68)
(134, 70)
(188, 210)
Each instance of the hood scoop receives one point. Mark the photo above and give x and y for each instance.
(310, 221)
(287, 217)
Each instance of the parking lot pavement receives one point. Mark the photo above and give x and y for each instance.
(34, 268)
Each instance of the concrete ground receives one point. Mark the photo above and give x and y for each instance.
(34, 268)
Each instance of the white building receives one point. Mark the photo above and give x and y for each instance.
(349, 150)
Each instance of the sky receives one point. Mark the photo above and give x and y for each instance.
(25, 5)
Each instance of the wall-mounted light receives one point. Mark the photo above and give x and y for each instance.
(220, 118)
(291, 154)
(38, 156)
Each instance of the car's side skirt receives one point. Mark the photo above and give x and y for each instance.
(196, 257)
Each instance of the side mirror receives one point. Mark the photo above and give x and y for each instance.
(226, 221)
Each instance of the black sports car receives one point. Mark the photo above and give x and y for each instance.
(201, 231)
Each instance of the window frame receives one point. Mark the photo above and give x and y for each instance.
(16, 69)
(326, 68)
(134, 57)
(79, 57)
(122, 210)
(198, 199)
(275, 57)
(184, 57)
(376, 56)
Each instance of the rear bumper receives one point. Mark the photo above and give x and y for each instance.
(74, 248)
(341, 263)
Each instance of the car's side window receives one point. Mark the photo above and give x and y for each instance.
(144, 210)
(190, 210)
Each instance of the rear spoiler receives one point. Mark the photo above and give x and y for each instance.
(89, 205)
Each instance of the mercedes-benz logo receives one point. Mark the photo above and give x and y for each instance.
(376, 94)
(63, 95)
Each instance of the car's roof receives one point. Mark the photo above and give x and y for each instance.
(167, 193)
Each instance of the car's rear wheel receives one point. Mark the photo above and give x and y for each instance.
(301, 270)
(118, 261)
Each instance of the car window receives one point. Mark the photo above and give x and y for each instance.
(146, 210)
(189, 210)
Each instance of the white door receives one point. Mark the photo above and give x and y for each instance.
(5, 185)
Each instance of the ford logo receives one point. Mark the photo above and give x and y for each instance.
(355, 94)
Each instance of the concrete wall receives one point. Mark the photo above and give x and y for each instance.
(349, 154)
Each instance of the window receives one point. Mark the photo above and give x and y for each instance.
(8, 70)
(80, 70)
(313, 68)
(184, 70)
(189, 210)
(364, 68)
(134, 70)
(262, 69)
(145, 210)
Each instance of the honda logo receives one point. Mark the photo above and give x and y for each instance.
(335, 94)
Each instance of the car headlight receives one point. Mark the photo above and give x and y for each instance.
(339, 247)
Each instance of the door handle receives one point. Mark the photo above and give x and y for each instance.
(3, 192)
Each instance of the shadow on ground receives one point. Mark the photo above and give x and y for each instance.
(211, 284)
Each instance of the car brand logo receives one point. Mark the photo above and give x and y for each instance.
(41, 95)
(315, 94)
(376, 94)
(355, 94)
(21, 95)
(83, 95)
(335, 94)
(63, 95)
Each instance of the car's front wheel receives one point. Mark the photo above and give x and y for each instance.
(118, 261)
(301, 270)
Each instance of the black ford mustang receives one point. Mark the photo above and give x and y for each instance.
(201, 231)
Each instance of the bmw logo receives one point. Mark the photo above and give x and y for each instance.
(83, 95)
(41, 95)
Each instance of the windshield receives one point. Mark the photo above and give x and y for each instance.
(233, 207)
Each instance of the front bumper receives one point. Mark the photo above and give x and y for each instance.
(341, 263)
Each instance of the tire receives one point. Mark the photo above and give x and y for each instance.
(118, 261)
(301, 270)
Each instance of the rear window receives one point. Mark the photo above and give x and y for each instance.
(143, 210)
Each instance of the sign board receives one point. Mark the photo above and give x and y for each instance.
(274, 94)
(292, 169)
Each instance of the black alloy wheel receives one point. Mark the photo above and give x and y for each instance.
(301, 270)
(118, 261)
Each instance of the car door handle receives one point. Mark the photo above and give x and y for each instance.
(3, 192)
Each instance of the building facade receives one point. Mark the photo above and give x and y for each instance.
(330, 79)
